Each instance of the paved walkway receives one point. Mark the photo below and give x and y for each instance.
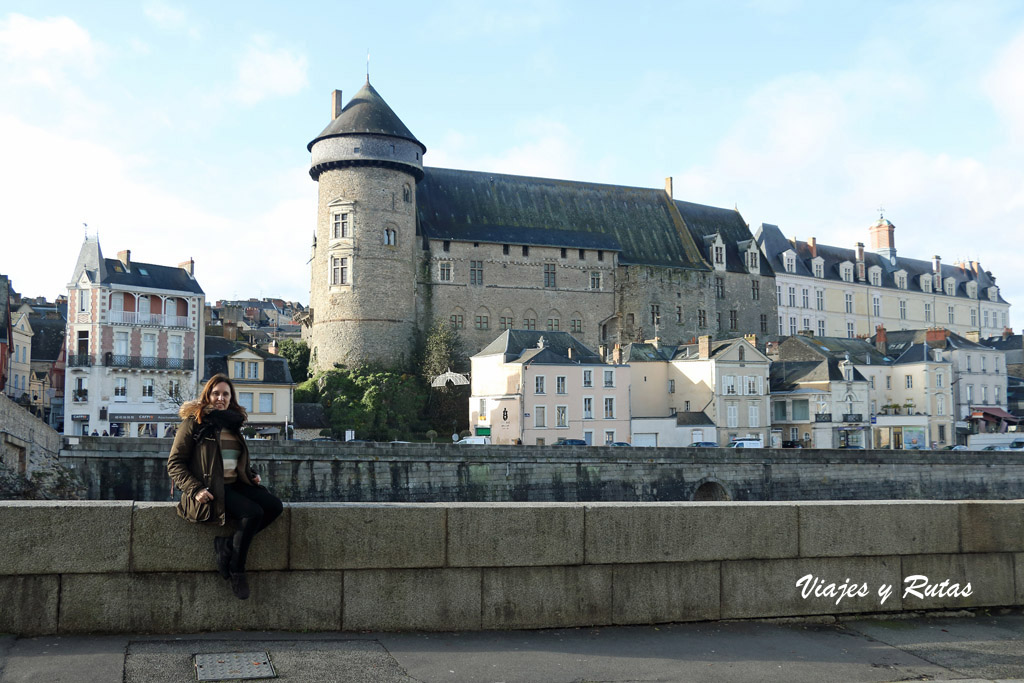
(963, 648)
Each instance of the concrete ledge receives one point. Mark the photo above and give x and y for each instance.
(131, 568)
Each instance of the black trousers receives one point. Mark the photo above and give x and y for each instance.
(253, 509)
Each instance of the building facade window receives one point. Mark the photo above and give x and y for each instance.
(732, 415)
(529, 323)
(792, 296)
(702, 318)
(540, 420)
(595, 280)
(561, 416)
(849, 330)
(588, 378)
(764, 323)
(949, 311)
(927, 313)
(476, 272)
(266, 402)
(909, 379)
(848, 298)
(339, 270)
(819, 299)
(390, 237)
(444, 271)
(609, 378)
(505, 323)
(481, 322)
(733, 320)
(457, 321)
(553, 324)
(538, 384)
(821, 328)
(549, 275)
(588, 408)
(805, 299)
(876, 306)
(609, 408)
(719, 288)
(755, 290)
(340, 225)
(903, 309)
(576, 324)
(560, 386)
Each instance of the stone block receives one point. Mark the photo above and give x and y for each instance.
(186, 602)
(523, 534)
(665, 591)
(619, 533)
(412, 599)
(546, 597)
(853, 528)
(63, 537)
(29, 604)
(164, 542)
(1018, 572)
(991, 577)
(367, 535)
(992, 527)
(757, 589)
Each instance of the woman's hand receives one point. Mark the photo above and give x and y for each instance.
(204, 496)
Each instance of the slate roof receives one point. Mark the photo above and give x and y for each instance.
(521, 345)
(366, 113)
(693, 418)
(48, 339)
(639, 223)
(786, 375)
(638, 352)
(150, 275)
(692, 351)
(898, 341)
(774, 244)
(1012, 342)
(310, 416)
(703, 222)
(860, 351)
(275, 368)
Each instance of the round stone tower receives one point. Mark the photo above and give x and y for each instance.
(362, 292)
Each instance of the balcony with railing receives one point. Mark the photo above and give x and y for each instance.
(116, 360)
(80, 360)
(157, 319)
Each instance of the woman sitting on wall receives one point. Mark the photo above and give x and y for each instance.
(209, 463)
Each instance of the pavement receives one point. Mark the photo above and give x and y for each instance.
(954, 647)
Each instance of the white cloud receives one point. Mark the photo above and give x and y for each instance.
(156, 224)
(266, 71)
(40, 51)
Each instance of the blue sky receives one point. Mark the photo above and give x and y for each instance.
(178, 129)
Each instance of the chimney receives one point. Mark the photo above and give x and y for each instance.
(881, 343)
(935, 337)
(336, 104)
(189, 267)
(813, 244)
(656, 342)
(751, 339)
(1007, 333)
(568, 353)
(704, 346)
(937, 264)
(668, 187)
(126, 258)
(230, 330)
(973, 335)
(771, 349)
(883, 238)
(860, 252)
(617, 354)
(861, 274)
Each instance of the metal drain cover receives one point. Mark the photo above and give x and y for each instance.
(230, 666)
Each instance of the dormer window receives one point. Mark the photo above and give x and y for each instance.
(993, 293)
(972, 290)
(819, 268)
(846, 272)
(950, 286)
(719, 254)
(752, 260)
(875, 276)
(790, 263)
(901, 280)
(926, 283)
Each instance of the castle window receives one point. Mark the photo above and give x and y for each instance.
(444, 271)
(764, 323)
(576, 325)
(553, 324)
(406, 193)
(526, 250)
(504, 249)
(505, 323)
(702, 318)
(600, 255)
(564, 252)
(755, 290)
(457, 322)
(733, 320)
(679, 314)
(390, 236)
(339, 270)
(719, 288)
(655, 314)
(549, 274)
(719, 254)
(530, 324)
(340, 225)
(595, 280)
(447, 246)
(583, 254)
(476, 272)
(481, 323)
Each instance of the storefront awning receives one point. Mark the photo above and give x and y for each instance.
(992, 414)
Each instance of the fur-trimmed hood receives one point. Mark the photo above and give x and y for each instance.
(189, 408)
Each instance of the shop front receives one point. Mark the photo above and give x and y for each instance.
(143, 425)
(901, 432)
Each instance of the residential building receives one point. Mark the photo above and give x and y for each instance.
(262, 380)
(536, 387)
(134, 337)
(49, 329)
(819, 397)
(5, 332)
(1012, 346)
(838, 292)
(980, 402)
(398, 245)
(21, 355)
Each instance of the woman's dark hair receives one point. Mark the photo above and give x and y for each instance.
(205, 400)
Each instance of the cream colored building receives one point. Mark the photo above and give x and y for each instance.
(838, 292)
(535, 387)
(262, 380)
(21, 353)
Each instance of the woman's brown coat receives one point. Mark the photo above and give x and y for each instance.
(195, 464)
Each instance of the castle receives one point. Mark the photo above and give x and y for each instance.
(398, 245)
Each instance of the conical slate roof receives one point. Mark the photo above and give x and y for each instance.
(366, 113)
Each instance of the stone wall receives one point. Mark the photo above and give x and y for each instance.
(27, 444)
(135, 469)
(137, 568)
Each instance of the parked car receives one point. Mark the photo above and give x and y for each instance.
(619, 443)
(993, 447)
(792, 444)
(746, 443)
(570, 442)
(704, 444)
(954, 447)
(1016, 445)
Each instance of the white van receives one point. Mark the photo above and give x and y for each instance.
(746, 443)
(475, 440)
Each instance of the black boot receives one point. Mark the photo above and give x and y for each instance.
(222, 547)
(240, 585)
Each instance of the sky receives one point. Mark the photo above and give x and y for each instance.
(179, 129)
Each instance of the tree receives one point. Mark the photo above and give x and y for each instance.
(448, 407)
(297, 355)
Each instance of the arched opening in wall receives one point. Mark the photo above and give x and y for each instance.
(710, 490)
